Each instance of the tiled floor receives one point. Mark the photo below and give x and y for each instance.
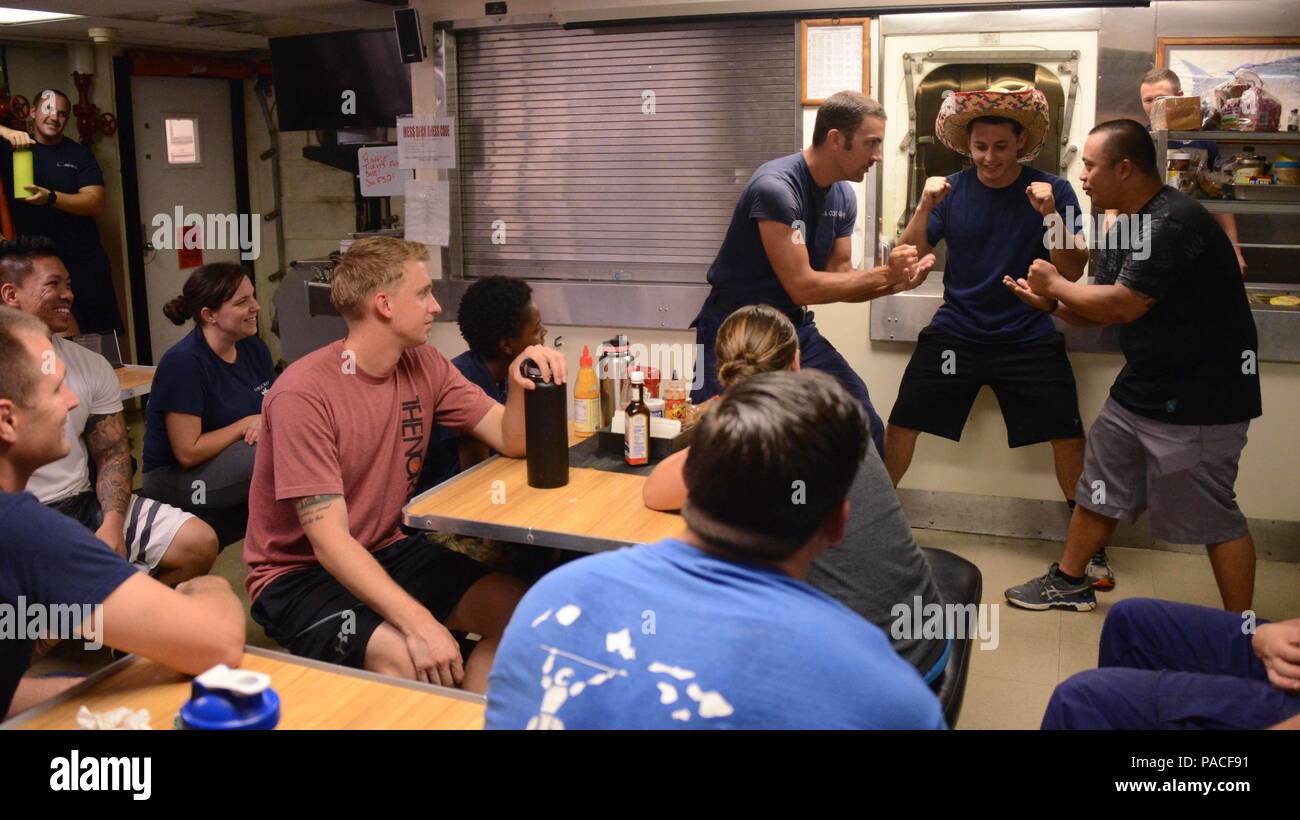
(1009, 686)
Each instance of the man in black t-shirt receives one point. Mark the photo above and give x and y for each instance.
(62, 205)
(1169, 437)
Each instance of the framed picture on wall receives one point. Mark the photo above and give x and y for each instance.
(1201, 63)
(834, 55)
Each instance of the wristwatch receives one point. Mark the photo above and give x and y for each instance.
(53, 196)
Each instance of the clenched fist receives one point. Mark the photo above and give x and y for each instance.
(1041, 197)
(1042, 276)
(936, 188)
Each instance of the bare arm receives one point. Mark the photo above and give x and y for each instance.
(192, 446)
(1229, 224)
(916, 233)
(434, 653)
(1115, 304)
(841, 258)
(110, 449)
(1020, 287)
(89, 201)
(190, 629)
(32, 691)
(1070, 261)
(806, 286)
(16, 138)
(502, 428)
(665, 489)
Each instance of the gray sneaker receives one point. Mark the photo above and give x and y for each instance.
(1052, 591)
(1099, 571)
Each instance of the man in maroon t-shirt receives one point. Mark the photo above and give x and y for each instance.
(344, 433)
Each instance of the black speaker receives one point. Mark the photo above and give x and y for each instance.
(410, 41)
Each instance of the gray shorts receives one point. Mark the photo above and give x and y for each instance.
(1183, 474)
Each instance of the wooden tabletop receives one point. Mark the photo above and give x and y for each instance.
(135, 380)
(313, 695)
(597, 510)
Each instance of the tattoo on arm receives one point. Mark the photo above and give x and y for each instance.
(312, 508)
(111, 450)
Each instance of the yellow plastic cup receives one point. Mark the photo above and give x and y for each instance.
(24, 174)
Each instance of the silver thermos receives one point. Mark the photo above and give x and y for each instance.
(613, 371)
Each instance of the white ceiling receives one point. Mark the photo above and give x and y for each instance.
(188, 25)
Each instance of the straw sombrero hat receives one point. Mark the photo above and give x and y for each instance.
(1027, 106)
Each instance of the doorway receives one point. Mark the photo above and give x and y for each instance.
(186, 143)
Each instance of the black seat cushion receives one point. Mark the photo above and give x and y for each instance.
(959, 582)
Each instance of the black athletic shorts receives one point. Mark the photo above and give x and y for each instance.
(312, 615)
(1033, 382)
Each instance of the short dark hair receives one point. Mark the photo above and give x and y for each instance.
(45, 91)
(211, 286)
(1128, 140)
(992, 120)
(1161, 75)
(492, 309)
(770, 462)
(17, 256)
(20, 374)
(844, 111)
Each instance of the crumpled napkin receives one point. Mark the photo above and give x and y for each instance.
(119, 718)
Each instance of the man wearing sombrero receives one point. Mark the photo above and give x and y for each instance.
(994, 217)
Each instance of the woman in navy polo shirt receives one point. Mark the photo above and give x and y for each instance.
(205, 406)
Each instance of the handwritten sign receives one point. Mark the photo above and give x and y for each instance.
(428, 212)
(380, 173)
(426, 142)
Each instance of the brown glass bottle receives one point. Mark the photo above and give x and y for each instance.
(636, 426)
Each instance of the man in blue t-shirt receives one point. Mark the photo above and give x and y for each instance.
(56, 579)
(997, 218)
(717, 629)
(789, 244)
(62, 205)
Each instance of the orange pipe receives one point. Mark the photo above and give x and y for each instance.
(6, 221)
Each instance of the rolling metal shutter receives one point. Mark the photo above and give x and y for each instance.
(554, 142)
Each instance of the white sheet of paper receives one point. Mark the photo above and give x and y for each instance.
(380, 172)
(428, 211)
(426, 142)
(834, 60)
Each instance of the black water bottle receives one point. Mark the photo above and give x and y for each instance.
(546, 423)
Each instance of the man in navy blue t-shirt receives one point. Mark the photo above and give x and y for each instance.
(498, 319)
(62, 205)
(789, 244)
(997, 218)
(54, 573)
(717, 629)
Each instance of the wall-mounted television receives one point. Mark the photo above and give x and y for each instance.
(311, 74)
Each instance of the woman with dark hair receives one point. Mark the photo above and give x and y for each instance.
(205, 406)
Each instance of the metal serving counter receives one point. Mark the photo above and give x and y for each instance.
(899, 318)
